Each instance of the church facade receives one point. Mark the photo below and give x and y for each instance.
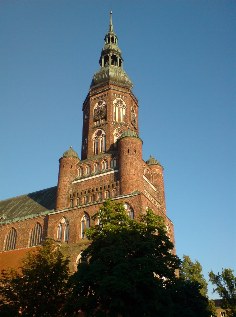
(111, 167)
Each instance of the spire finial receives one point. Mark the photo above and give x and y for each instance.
(110, 25)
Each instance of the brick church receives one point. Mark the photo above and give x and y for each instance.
(111, 167)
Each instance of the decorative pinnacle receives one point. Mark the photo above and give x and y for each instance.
(111, 25)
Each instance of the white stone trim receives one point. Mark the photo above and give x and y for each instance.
(94, 176)
(152, 199)
(153, 187)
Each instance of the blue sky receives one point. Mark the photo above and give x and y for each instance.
(180, 55)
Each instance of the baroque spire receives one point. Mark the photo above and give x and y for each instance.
(111, 24)
(111, 62)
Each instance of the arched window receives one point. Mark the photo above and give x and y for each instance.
(99, 142)
(66, 232)
(93, 198)
(95, 167)
(59, 231)
(114, 191)
(113, 58)
(85, 224)
(10, 242)
(113, 162)
(95, 146)
(119, 108)
(86, 199)
(104, 165)
(36, 235)
(99, 196)
(63, 230)
(99, 111)
(87, 170)
(129, 210)
(107, 194)
(80, 172)
(106, 60)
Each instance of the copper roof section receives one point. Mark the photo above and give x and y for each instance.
(28, 206)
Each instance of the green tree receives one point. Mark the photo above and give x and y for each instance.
(39, 288)
(187, 300)
(192, 271)
(225, 283)
(129, 269)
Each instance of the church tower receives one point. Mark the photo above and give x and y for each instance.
(110, 107)
(111, 164)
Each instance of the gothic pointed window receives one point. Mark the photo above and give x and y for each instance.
(10, 242)
(63, 230)
(99, 142)
(107, 194)
(36, 235)
(104, 165)
(87, 170)
(93, 198)
(80, 172)
(99, 196)
(95, 145)
(85, 224)
(59, 231)
(114, 192)
(66, 232)
(129, 210)
(119, 108)
(99, 111)
(95, 167)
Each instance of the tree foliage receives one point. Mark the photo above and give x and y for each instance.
(225, 283)
(192, 271)
(39, 288)
(129, 269)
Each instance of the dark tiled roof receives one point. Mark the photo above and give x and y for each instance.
(27, 206)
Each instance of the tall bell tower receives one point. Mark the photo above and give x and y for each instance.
(110, 107)
(111, 164)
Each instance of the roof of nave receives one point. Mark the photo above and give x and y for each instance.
(28, 206)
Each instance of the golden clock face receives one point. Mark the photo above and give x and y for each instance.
(100, 110)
